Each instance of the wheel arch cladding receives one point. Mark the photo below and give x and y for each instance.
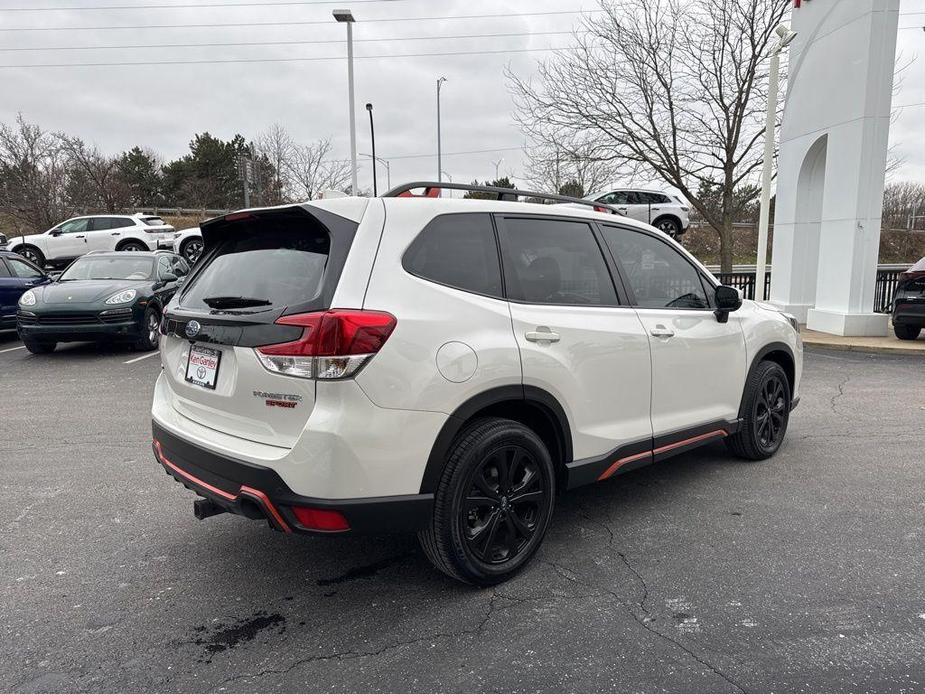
(533, 407)
(779, 353)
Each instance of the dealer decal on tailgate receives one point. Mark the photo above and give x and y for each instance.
(284, 400)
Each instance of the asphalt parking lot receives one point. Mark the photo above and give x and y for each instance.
(702, 574)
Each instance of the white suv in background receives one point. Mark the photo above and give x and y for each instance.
(664, 211)
(79, 235)
(448, 366)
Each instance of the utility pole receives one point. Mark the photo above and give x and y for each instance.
(346, 17)
(439, 134)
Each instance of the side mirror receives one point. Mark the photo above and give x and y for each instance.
(55, 232)
(728, 300)
(168, 277)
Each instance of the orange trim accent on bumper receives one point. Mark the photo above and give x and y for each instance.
(687, 442)
(262, 498)
(617, 464)
(621, 462)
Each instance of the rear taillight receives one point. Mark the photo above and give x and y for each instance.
(334, 344)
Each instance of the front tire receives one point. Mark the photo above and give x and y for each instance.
(492, 505)
(907, 332)
(191, 249)
(670, 226)
(36, 347)
(33, 255)
(767, 413)
(150, 328)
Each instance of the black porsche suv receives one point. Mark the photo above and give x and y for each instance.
(116, 296)
(909, 303)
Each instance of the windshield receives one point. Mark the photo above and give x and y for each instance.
(109, 268)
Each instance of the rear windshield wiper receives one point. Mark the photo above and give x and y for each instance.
(220, 302)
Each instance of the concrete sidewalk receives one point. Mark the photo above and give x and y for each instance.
(883, 345)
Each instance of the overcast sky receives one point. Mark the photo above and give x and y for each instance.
(162, 106)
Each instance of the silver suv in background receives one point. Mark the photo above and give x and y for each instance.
(664, 211)
(79, 235)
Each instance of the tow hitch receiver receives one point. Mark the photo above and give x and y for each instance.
(206, 508)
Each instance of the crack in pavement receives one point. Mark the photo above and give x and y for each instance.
(841, 391)
(644, 622)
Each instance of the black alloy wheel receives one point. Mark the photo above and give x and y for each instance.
(507, 495)
(669, 226)
(33, 255)
(493, 503)
(766, 407)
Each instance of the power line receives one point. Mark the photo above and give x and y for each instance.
(283, 60)
(285, 43)
(190, 6)
(212, 25)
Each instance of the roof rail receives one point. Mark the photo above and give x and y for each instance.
(431, 188)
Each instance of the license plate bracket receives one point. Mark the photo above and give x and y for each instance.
(202, 366)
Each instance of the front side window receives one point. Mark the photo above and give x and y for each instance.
(619, 197)
(659, 276)
(457, 250)
(554, 262)
(163, 268)
(23, 269)
(73, 226)
(109, 267)
(3, 271)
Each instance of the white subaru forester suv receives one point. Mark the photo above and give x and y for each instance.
(447, 367)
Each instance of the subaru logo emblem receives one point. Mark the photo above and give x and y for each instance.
(192, 328)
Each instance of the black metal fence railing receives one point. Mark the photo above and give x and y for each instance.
(885, 288)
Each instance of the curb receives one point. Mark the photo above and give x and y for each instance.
(869, 349)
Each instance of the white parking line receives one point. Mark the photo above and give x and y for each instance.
(144, 356)
(11, 349)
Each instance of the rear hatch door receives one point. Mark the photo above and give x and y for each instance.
(257, 267)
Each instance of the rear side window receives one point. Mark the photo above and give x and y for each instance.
(459, 251)
(3, 271)
(554, 262)
(23, 269)
(271, 267)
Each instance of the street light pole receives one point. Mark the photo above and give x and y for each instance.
(346, 17)
(786, 38)
(439, 134)
(372, 135)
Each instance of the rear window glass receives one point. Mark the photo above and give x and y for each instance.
(273, 268)
(153, 221)
(459, 251)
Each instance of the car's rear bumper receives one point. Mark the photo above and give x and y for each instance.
(909, 313)
(255, 491)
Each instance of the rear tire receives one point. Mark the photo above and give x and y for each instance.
(40, 347)
(767, 413)
(33, 255)
(150, 330)
(907, 332)
(135, 246)
(492, 505)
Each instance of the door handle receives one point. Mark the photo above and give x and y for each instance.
(542, 334)
(661, 331)
(115, 233)
(81, 236)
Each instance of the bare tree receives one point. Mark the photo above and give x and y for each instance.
(312, 171)
(277, 147)
(669, 90)
(33, 176)
(96, 178)
(554, 166)
(904, 206)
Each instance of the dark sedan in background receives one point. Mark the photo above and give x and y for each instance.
(909, 303)
(17, 276)
(115, 296)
